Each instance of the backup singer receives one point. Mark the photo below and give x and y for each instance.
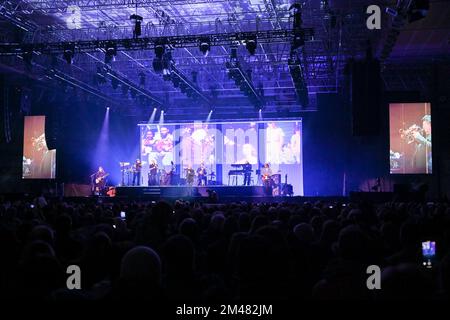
(152, 175)
(201, 174)
(137, 172)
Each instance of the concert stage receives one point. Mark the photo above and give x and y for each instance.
(185, 192)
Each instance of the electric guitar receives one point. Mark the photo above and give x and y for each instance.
(99, 179)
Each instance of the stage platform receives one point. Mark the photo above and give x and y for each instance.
(182, 192)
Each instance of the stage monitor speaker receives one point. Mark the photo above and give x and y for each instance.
(365, 97)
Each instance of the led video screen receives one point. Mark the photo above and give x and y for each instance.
(410, 138)
(223, 149)
(38, 161)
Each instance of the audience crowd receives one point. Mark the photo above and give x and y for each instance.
(196, 252)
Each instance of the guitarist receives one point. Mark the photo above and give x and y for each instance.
(100, 180)
(267, 179)
(201, 174)
(152, 174)
(137, 167)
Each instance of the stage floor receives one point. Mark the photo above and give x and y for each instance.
(182, 192)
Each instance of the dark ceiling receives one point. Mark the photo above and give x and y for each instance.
(339, 28)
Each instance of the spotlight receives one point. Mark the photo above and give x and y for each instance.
(205, 46)
(110, 53)
(297, 13)
(137, 31)
(159, 50)
(69, 52)
(251, 45)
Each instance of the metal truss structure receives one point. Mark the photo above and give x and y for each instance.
(332, 35)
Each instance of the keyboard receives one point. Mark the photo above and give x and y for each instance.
(237, 172)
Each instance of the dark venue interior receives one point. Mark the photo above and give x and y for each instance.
(204, 151)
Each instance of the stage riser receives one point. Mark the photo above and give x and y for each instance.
(183, 192)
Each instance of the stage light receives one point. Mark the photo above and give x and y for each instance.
(297, 13)
(110, 52)
(69, 52)
(251, 45)
(137, 31)
(205, 46)
(159, 50)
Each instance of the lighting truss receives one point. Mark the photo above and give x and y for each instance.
(132, 87)
(298, 78)
(53, 73)
(244, 83)
(54, 6)
(219, 39)
(190, 89)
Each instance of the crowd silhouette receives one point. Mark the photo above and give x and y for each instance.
(190, 251)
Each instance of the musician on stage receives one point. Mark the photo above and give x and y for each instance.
(99, 181)
(247, 167)
(190, 174)
(137, 172)
(172, 173)
(267, 178)
(266, 174)
(152, 175)
(201, 174)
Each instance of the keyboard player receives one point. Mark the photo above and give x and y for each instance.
(247, 168)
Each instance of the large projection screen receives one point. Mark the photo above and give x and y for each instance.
(410, 138)
(220, 146)
(38, 161)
